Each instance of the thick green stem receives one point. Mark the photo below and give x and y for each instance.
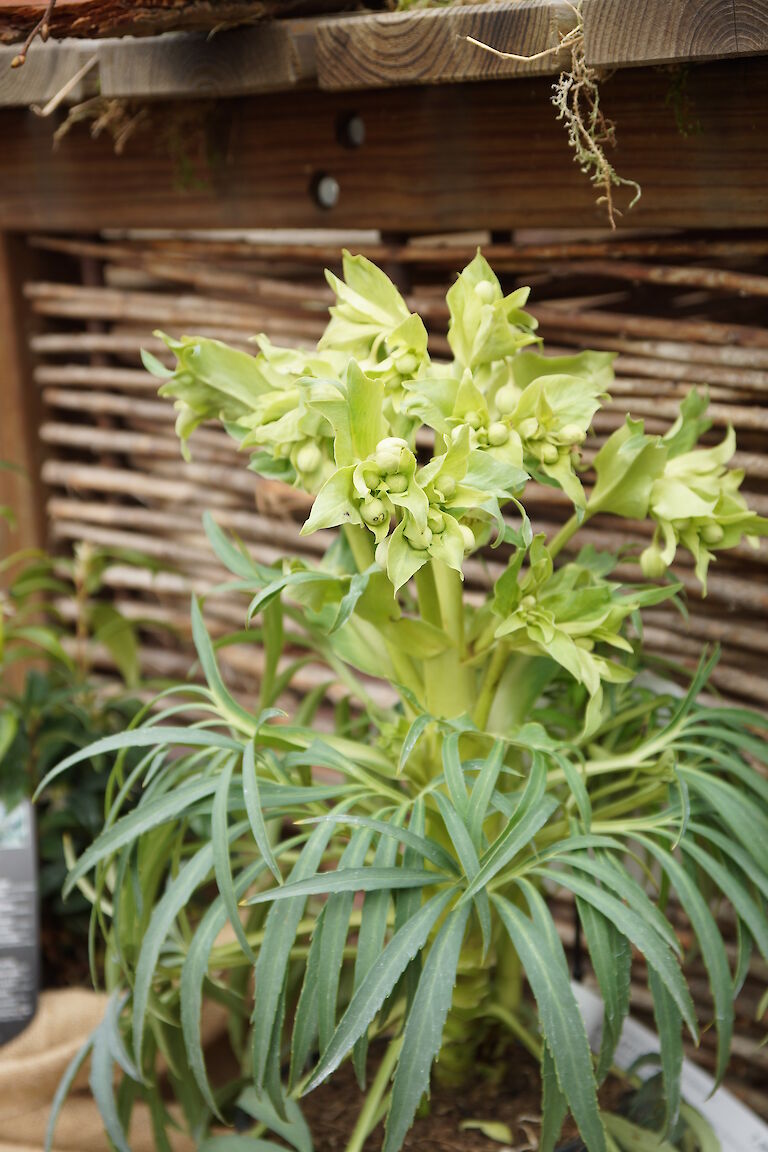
(366, 1121)
(450, 592)
(360, 545)
(493, 674)
(429, 602)
(561, 538)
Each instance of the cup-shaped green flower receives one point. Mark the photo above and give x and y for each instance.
(696, 503)
(371, 322)
(549, 405)
(410, 546)
(566, 614)
(486, 325)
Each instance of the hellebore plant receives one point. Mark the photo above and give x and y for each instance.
(483, 752)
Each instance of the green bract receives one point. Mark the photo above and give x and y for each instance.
(450, 756)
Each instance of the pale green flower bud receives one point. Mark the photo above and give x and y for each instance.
(528, 428)
(435, 520)
(528, 603)
(572, 434)
(389, 453)
(498, 434)
(371, 476)
(406, 363)
(652, 563)
(549, 454)
(469, 537)
(473, 419)
(448, 485)
(397, 484)
(507, 398)
(374, 512)
(308, 458)
(485, 291)
(712, 534)
(283, 451)
(418, 538)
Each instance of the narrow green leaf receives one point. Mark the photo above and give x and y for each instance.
(149, 737)
(370, 937)
(711, 944)
(63, 1089)
(506, 847)
(336, 926)
(656, 951)
(195, 970)
(554, 1106)
(254, 811)
(293, 1129)
(669, 1025)
(465, 851)
(233, 712)
(377, 985)
(305, 1027)
(482, 790)
(545, 967)
(611, 959)
(350, 880)
(732, 888)
(220, 842)
(279, 935)
(426, 848)
(424, 1028)
(454, 774)
(414, 734)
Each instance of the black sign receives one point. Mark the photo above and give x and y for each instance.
(18, 920)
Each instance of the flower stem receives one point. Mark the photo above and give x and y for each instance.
(569, 529)
(360, 545)
(493, 674)
(368, 1114)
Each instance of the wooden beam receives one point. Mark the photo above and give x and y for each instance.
(273, 56)
(619, 34)
(430, 46)
(46, 72)
(20, 406)
(100, 18)
(432, 159)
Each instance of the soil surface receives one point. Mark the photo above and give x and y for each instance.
(513, 1098)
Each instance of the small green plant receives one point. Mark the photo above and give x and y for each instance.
(483, 751)
(49, 707)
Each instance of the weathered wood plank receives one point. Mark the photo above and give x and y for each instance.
(751, 22)
(617, 33)
(274, 56)
(461, 156)
(99, 18)
(45, 73)
(430, 46)
(20, 404)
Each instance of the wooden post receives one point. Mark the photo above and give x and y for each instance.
(20, 405)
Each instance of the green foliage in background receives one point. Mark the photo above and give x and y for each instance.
(380, 872)
(50, 707)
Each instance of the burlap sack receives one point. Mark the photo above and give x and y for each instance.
(31, 1067)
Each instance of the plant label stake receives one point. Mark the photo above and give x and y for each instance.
(19, 937)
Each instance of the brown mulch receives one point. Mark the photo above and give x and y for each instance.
(512, 1096)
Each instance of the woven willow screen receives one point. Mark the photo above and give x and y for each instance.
(680, 311)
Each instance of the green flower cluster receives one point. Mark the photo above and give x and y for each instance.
(688, 492)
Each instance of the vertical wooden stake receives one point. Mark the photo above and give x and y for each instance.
(20, 406)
